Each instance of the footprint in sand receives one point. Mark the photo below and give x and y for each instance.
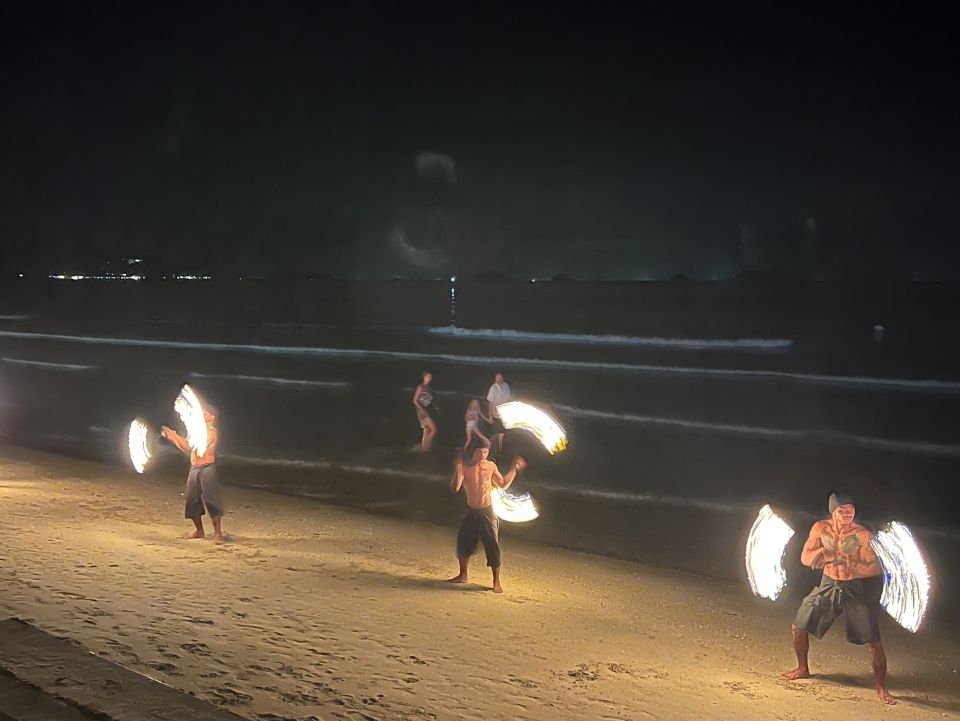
(200, 649)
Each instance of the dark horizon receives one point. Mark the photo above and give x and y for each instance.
(380, 140)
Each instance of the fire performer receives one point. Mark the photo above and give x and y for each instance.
(202, 486)
(841, 547)
(480, 524)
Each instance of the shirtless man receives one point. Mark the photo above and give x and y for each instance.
(202, 486)
(842, 549)
(477, 479)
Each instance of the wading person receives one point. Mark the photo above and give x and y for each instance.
(499, 393)
(850, 587)
(480, 525)
(202, 486)
(472, 424)
(423, 402)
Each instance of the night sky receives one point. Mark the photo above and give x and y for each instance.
(380, 139)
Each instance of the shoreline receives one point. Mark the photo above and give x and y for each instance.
(314, 610)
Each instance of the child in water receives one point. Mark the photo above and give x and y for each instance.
(472, 419)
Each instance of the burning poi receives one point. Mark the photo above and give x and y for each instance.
(190, 410)
(906, 579)
(766, 545)
(139, 437)
(516, 509)
(517, 414)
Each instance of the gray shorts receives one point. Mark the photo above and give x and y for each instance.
(858, 601)
(202, 489)
(480, 525)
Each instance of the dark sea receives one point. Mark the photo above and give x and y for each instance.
(687, 405)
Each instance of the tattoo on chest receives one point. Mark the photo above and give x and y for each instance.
(841, 544)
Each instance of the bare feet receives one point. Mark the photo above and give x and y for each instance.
(497, 588)
(885, 695)
(457, 579)
(218, 539)
(799, 672)
(196, 534)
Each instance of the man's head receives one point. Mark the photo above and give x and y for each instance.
(480, 454)
(498, 378)
(842, 508)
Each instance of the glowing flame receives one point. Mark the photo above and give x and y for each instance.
(516, 414)
(137, 436)
(516, 509)
(766, 545)
(906, 580)
(190, 410)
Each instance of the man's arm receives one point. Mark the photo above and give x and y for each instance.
(866, 563)
(211, 442)
(416, 398)
(457, 481)
(518, 465)
(175, 438)
(812, 554)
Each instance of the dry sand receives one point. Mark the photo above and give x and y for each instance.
(315, 611)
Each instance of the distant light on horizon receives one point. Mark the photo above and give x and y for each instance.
(453, 279)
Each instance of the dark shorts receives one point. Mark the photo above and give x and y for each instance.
(858, 601)
(495, 428)
(480, 525)
(202, 489)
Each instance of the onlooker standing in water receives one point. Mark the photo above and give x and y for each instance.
(423, 402)
(499, 393)
(472, 420)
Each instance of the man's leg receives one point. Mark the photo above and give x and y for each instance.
(467, 537)
(490, 536)
(462, 576)
(878, 659)
(497, 588)
(199, 533)
(801, 646)
(217, 533)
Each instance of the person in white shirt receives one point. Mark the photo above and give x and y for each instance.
(499, 393)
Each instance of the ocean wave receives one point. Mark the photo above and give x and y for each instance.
(836, 437)
(270, 380)
(15, 317)
(46, 365)
(518, 336)
(860, 382)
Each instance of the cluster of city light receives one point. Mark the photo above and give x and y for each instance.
(766, 545)
(516, 509)
(109, 276)
(517, 414)
(138, 442)
(190, 410)
(906, 579)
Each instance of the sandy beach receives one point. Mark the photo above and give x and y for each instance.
(313, 611)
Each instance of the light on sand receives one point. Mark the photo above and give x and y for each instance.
(516, 509)
(137, 442)
(764, 554)
(906, 580)
(190, 410)
(517, 414)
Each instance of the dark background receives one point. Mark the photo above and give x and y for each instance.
(378, 139)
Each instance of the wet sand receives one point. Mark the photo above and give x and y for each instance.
(316, 611)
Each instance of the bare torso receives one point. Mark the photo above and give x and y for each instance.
(843, 552)
(477, 480)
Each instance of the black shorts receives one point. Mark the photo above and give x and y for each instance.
(495, 428)
(858, 601)
(203, 489)
(480, 525)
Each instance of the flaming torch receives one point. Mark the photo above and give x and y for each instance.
(139, 437)
(190, 410)
(766, 545)
(906, 579)
(517, 414)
